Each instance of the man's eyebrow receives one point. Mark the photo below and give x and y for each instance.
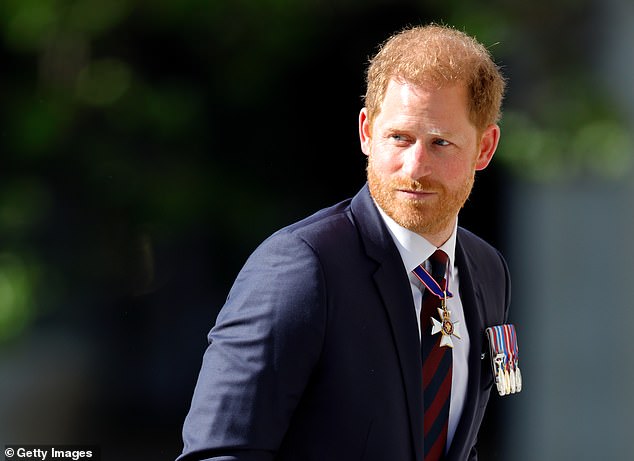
(405, 127)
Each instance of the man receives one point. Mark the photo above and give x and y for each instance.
(317, 353)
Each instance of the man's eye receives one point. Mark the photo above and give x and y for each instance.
(397, 137)
(441, 142)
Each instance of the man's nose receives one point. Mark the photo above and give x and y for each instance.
(416, 161)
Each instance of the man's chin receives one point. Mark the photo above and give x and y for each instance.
(418, 224)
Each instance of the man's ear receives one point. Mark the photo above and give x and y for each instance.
(364, 131)
(487, 146)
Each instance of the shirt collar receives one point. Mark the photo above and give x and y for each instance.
(415, 249)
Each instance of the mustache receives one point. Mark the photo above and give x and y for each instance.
(416, 185)
(404, 182)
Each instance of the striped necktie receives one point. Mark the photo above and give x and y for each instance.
(437, 367)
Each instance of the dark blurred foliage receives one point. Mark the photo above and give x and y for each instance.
(148, 147)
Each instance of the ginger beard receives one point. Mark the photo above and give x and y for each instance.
(426, 217)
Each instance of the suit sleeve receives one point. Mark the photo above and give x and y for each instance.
(261, 353)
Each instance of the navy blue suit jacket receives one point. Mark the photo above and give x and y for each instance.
(316, 353)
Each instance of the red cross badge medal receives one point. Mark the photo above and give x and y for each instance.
(505, 358)
(445, 326)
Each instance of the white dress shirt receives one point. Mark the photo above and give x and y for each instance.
(414, 250)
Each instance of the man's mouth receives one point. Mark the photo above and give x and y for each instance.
(416, 194)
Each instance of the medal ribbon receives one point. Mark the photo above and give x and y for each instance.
(507, 339)
(431, 284)
(494, 339)
(513, 338)
(499, 331)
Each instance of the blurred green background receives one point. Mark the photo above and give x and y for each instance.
(148, 147)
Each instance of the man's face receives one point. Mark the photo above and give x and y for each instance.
(423, 152)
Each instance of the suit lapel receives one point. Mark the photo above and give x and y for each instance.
(471, 299)
(393, 285)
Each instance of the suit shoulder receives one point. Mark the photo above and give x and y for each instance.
(319, 227)
(482, 256)
(477, 245)
(487, 262)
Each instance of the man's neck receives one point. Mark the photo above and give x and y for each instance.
(440, 238)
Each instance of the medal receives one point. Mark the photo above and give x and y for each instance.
(507, 382)
(498, 362)
(505, 358)
(445, 326)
